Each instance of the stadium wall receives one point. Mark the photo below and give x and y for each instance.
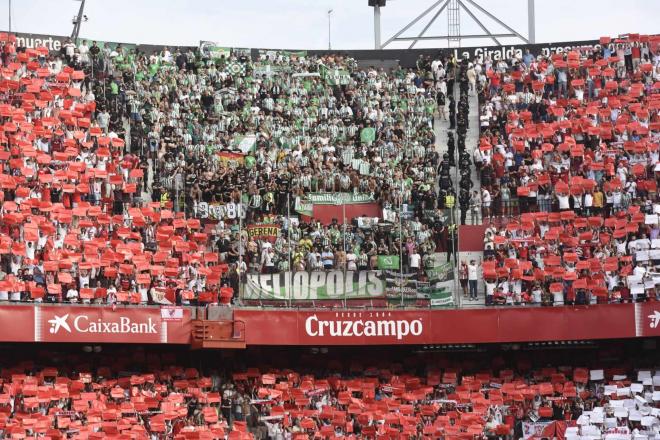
(406, 57)
(174, 325)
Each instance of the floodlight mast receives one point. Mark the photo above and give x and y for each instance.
(454, 8)
(77, 21)
(531, 22)
(377, 4)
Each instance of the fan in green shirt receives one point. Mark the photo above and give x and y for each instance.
(250, 161)
(368, 135)
(153, 68)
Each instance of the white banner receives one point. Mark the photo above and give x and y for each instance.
(310, 286)
(219, 212)
(534, 430)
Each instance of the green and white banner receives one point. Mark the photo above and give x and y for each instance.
(441, 272)
(246, 143)
(441, 298)
(242, 52)
(339, 198)
(210, 49)
(388, 262)
(264, 68)
(235, 69)
(335, 77)
(304, 207)
(437, 287)
(442, 286)
(312, 286)
(281, 54)
(403, 284)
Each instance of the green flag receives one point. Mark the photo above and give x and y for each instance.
(210, 49)
(323, 71)
(235, 69)
(246, 143)
(441, 272)
(441, 298)
(368, 134)
(440, 295)
(388, 262)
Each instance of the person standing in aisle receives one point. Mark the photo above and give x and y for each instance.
(463, 278)
(473, 276)
(452, 112)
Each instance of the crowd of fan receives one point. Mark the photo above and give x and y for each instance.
(428, 398)
(112, 157)
(568, 163)
(363, 131)
(74, 226)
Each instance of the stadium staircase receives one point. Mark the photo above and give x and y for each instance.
(217, 329)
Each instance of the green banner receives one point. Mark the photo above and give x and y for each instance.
(210, 49)
(368, 135)
(235, 69)
(246, 143)
(338, 198)
(388, 262)
(442, 272)
(441, 298)
(312, 286)
(304, 207)
(284, 54)
(335, 77)
(437, 288)
(294, 53)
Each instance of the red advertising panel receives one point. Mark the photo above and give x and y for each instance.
(17, 323)
(124, 325)
(471, 238)
(604, 321)
(325, 213)
(647, 319)
(380, 327)
(172, 325)
(466, 326)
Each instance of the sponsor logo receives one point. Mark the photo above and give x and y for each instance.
(171, 313)
(59, 322)
(83, 324)
(30, 42)
(655, 319)
(505, 52)
(367, 326)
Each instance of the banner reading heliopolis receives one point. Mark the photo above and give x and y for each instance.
(311, 286)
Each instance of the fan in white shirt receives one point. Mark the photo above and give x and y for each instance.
(72, 295)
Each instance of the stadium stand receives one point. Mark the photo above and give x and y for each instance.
(148, 395)
(584, 145)
(568, 171)
(116, 160)
(72, 173)
(169, 178)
